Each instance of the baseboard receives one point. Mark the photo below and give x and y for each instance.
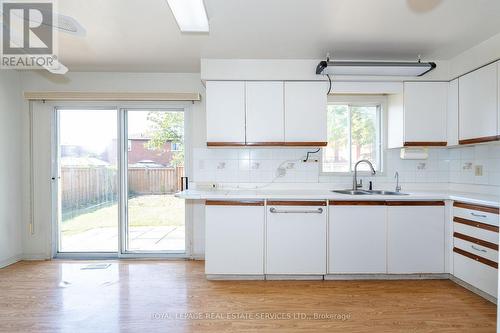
(475, 290)
(10, 261)
(300, 277)
(234, 277)
(383, 276)
(197, 257)
(35, 256)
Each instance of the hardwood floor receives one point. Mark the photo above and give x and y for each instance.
(174, 296)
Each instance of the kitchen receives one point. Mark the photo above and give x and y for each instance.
(311, 175)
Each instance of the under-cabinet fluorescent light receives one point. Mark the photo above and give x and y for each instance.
(190, 15)
(374, 68)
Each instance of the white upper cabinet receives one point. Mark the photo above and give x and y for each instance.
(305, 112)
(452, 117)
(425, 108)
(264, 112)
(498, 99)
(478, 105)
(419, 116)
(225, 107)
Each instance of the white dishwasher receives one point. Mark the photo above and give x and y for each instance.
(296, 237)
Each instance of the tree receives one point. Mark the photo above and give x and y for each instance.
(337, 128)
(362, 129)
(167, 127)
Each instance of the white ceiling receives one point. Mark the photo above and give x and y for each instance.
(141, 35)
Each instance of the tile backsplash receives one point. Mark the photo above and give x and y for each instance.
(465, 165)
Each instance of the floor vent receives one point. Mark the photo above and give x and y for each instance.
(96, 266)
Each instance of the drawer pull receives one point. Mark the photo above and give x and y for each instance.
(478, 249)
(478, 215)
(276, 211)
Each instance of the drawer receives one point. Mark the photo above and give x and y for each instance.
(481, 214)
(478, 248)
(474, 231)
(479, 275)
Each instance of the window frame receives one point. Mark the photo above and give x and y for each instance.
(362, 100)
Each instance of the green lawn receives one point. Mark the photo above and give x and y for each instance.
(145, 210)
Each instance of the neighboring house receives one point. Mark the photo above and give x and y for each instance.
(78, 156)
(139, 155)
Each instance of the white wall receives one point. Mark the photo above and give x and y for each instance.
(479, 55)
(11, 149)
(37, 246)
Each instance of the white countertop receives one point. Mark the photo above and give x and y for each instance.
(323, 194)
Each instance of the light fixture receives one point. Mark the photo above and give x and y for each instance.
(191, 15)
(374, 68)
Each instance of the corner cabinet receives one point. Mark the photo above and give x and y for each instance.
(418, 117)
(266, 113)
(234, 237)
(479, 105)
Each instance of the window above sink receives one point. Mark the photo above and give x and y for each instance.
(355, 132)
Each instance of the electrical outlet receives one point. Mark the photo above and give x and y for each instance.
(478, 170)
(421, 166)
(280, 172)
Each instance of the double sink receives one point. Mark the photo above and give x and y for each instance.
(368, 192)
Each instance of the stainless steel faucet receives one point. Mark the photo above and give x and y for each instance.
(355, 184)
(398, 187)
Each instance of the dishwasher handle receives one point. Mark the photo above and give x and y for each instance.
(304, 211)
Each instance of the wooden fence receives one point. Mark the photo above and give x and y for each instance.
(85, 187)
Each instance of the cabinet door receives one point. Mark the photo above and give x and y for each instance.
(296, 240)
(305, 112)
(234, 241)
(225, 107)
(498, 98)
(264, 112)
(415, 239)
(425, 108)
(357, 239)
(452, 117)
(478, 106)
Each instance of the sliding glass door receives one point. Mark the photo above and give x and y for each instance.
(119, 169)
(88, 191)
(155, 165)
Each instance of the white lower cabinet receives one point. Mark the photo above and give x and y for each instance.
(296, 238)
(475, 246)
(357, 238)
(415, 237)
(476, 273)
(234, 238)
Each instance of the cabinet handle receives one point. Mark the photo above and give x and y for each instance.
(276, 211)
(478, 215)
(477, 249)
